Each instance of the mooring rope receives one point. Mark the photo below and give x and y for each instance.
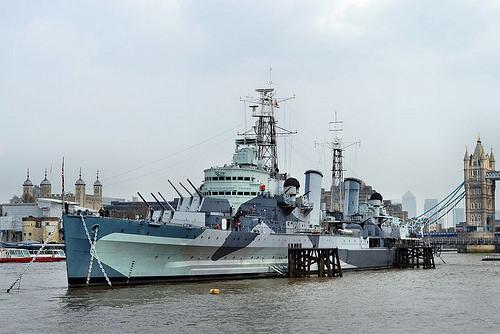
(29, 264)
(93, 252)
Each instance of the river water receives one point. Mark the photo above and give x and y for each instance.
(462, 295)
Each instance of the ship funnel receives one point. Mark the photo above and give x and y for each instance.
(313, 191)
(352, 187)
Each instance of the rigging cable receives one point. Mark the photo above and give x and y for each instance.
(171, 155)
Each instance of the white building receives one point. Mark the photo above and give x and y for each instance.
(11, 221)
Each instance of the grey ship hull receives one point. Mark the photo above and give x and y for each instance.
(135, 252)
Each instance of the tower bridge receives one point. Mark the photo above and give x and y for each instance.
(478, 190)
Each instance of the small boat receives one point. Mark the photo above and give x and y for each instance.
(491, 258)
(49, 255)
(14, 255)
(22, 255)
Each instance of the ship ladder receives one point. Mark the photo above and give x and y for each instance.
(93, 252)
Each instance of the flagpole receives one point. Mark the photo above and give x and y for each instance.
(62, 183)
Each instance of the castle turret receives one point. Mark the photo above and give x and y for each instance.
(80, 190)
(98, 186)
(27, 189)
(45, 187)
(492, 160)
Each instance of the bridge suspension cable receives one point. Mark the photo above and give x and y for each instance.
(450, 202)
(453, 193)
(452, 205)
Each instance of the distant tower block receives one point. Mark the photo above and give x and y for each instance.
(80, 190)
(410, 204)
(479, 190)
(45, 187)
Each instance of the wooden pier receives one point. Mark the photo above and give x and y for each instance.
(321, 262)
(414, 255)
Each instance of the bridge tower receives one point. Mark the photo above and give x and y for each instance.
(479, 190)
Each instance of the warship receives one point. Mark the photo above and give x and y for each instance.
(239, 223)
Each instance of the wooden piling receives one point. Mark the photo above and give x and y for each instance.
(302, 262)
(413, 256)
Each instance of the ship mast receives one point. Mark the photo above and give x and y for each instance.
(337, 127)
(338, 148)
(266, 129)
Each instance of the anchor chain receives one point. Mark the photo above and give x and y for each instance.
(93, 252)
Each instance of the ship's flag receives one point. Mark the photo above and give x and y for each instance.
(276, 105)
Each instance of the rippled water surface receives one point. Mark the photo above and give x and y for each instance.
(460, 296)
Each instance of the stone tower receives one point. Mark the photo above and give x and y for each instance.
(98, 188)
(80, 190)
(479, 192)
(45, 187)
(27, 188)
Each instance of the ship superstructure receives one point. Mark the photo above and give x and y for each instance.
(254, 167)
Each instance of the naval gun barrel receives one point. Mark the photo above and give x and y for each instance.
(150, 209)
(177, 191)
(166, 202)
(195, 189)
(162, 207)
(186, 190)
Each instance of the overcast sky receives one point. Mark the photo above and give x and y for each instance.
(147, 91)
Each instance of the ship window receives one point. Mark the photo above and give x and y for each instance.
(234, 177)
(247, 179)
(240, 193)
(234, 192)
(246, 193)
(228, 178)
(29, 233)
(253, 193)
(228, 193)
(240, 177)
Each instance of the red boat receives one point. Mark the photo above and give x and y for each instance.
(14, 255)
(23, 255)
(49, 255)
